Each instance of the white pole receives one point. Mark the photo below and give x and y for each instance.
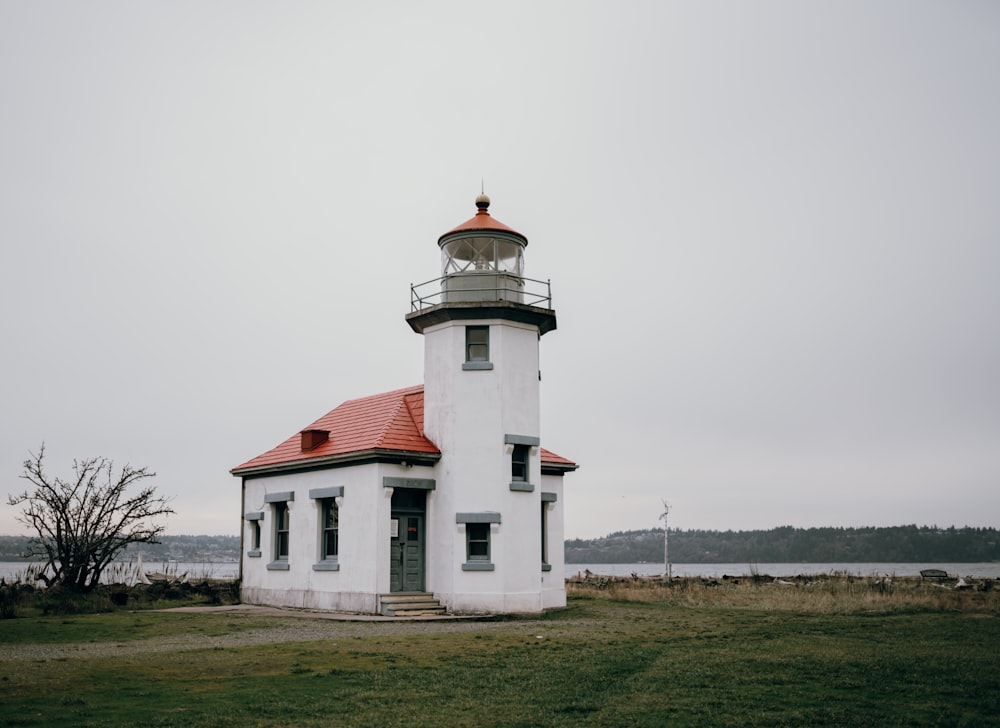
(666, 542)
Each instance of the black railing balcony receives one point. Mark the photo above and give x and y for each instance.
(481, 287)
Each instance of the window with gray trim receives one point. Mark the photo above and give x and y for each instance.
(519, 464)
(477, 539)
(253, 519)
(254, 538)
(545, 536)
(477, 347)
(330, 524)
(282, 531)
(477, 542)
(547, 500)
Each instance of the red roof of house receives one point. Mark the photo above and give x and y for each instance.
(482, 220)
(388, 422)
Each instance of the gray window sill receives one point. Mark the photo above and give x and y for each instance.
(522, 487)
(326, 566)
(477, 566)
(254, 554)
(470, 366)
(546, 567)
(278, 566)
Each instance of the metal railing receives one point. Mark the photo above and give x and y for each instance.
(481, 287)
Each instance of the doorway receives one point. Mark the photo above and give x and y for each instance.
(406, 567)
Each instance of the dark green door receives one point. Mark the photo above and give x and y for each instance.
(406, 571)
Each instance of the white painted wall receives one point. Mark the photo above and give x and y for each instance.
(554, 581)
(467, 414)
(364, 539)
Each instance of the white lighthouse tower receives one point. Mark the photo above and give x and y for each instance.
(497, 507)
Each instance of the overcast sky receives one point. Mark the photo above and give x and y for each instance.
(772, 230)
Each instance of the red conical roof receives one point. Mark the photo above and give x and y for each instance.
(483, 221)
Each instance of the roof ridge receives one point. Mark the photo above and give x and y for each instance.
(379, 395)
(390, 419)
(409, 409)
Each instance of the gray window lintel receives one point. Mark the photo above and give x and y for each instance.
(280, 497)
(483, 517)
(254, 515)
(549, 497)
(335, 491)
(509, 439)
(417, 483)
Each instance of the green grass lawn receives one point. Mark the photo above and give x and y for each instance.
(603, 662)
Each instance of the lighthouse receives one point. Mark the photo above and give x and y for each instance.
(482, 323)
(439, 497)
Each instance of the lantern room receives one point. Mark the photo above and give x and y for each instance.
(482, 259)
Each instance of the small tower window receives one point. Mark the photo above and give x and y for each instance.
(519, 464)
(477, 343)
(477, 348)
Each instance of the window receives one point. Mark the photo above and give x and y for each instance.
(477, 539)
(328, 501)
(255, 538)
(545, 536)
(477, 348)
(331, 527)
(281, 531)
(548, 499)
(253, 520)
(519, 464)
(282, 528)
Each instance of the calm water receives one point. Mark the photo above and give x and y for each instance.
(229, 570)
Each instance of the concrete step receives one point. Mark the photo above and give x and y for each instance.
(409, 605)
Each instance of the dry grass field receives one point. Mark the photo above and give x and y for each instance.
(840, 651)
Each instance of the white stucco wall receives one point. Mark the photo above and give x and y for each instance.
(364, 540)
(554, 581)
(467, 413)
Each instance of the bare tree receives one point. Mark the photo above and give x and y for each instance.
(84, 523)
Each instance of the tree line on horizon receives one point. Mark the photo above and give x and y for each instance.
(785, 544)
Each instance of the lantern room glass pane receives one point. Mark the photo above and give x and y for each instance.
(490, 255)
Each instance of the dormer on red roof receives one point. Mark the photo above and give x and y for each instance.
(387, 427)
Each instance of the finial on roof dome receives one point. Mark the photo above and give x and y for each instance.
(483, 202)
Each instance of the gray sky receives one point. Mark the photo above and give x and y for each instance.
(772, 231)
